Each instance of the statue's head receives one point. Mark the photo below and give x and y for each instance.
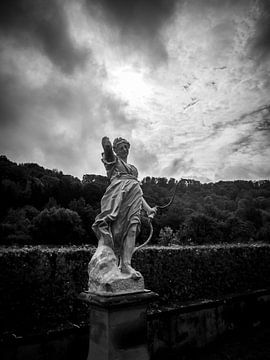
(121, 147)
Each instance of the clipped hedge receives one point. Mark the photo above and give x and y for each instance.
(187, 273)
(39, 285)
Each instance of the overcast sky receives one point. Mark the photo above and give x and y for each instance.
(186, 82)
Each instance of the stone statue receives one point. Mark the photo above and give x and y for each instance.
(116, 227)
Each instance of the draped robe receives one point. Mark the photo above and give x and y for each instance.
(120, 205)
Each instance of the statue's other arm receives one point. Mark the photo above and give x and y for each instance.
(108, 151)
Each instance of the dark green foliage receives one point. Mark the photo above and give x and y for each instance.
(87, 215)
(226, 211)
(57, 226)
(237, 230)
(39, 285)
(17, 226)
(264, 233)
(167, 237)
(200, 228)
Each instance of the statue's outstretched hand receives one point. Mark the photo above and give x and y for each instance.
(106, 142)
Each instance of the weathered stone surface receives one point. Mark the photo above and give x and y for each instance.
(105, 277)
(118, 327)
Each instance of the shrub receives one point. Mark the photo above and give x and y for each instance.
(165, 236)
(168, 237)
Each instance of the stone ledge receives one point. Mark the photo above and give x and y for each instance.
(190, 306)
(118, 300)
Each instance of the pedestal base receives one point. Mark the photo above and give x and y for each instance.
(118, 326)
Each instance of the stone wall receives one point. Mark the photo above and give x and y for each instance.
(171, 332)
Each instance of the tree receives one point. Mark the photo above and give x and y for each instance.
(173, 217)
(87, 215)
(237, 230)
(58, 226)
(51, 203)
(199, 228)
(224, 211)
(16, 228)
(264, 233)
(10, 193)
(246, 211)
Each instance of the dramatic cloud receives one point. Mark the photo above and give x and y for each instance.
(53, 120)
(187, 82)
(261, 42)
(138, 23)
(43, 25)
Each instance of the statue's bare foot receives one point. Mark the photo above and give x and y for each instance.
(128, 269)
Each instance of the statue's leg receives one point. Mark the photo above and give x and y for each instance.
(127, 251)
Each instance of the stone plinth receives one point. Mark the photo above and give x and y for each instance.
(118, 326)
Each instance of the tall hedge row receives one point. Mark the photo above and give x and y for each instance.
(39, 285)
(204, 272)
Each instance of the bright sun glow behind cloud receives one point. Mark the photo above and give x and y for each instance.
(129, 84)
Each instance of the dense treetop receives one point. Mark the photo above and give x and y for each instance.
(42, 206)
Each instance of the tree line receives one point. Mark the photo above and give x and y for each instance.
(42, 206)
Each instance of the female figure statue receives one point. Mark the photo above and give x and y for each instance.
(118, 223)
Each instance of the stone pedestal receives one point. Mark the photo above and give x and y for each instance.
(118, 326)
